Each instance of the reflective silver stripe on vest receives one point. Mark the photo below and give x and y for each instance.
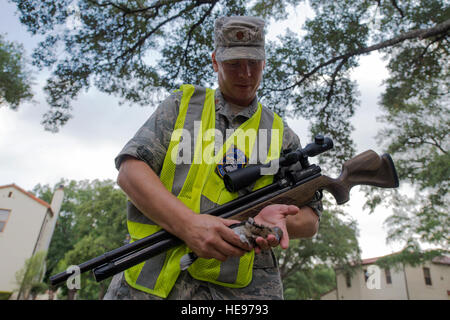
(229, 270)
(181, 171)
(265, 125)
(151, 270)
(134, 215)
(194, 113)
(206, 204)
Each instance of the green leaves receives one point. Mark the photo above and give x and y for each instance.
(138, 50)
(417, 116)
(412, 255)
(310, 284)
(92, 221)
(15, 78)
(307, 265)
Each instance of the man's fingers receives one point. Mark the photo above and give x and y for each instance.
(262, 244)
(230, 250)
(214, 239)
(230, 236)
(221, 251)
(271, 240)
(229, 222)
(290, 210)
(284, 242)
(267, 243)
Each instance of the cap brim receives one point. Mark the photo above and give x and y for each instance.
(233, 53)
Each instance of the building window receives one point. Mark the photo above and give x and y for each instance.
(366, 275)
(4, 215)
(387, 272)
(427, 276)
(348, 280)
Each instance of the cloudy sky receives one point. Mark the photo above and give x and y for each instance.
(86, 146)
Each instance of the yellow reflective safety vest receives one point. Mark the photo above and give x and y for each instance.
(190, 171)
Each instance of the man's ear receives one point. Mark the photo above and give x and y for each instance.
(214, 61)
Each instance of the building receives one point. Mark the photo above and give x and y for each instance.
(430, 281)
(26, 227)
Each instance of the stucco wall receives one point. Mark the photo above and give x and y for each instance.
(18, 239)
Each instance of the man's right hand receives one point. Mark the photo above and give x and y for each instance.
(210, 237)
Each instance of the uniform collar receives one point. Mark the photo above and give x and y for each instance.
(223, 108)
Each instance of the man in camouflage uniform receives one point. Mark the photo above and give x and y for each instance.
(239, 63)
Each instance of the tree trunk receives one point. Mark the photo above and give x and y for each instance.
(71, 294)
(101, 292)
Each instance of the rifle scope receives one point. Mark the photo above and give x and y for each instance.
(236, 180)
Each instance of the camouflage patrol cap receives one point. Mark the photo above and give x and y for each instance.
(239, 37)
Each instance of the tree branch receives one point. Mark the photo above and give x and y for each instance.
(156, 6)
(425, 50)
(422, 141)
(286, 259)
(142, 40)
(419, 33)
(333, 83)
(295, 268)
(191, 30)
(394, 3)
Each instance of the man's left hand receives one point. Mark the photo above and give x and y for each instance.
(274, 216)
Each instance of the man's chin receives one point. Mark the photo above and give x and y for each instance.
(245, 93)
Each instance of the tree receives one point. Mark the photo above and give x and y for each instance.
(411, 255)
(92, 221)
(307, 265)
(29, 278)
(416, 115)
(15, 79)
(418, 119)
(138, 49)
(317, 67)
(310, 283)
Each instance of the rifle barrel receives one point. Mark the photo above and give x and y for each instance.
(113, 254)
(130, 248)
(127, 261)
(105, 271)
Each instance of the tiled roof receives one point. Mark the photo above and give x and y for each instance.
(373, 260)
(441, 260)
(29, 194)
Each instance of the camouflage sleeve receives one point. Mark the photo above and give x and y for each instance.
(151, 141)
(290, 139)
(292, 142)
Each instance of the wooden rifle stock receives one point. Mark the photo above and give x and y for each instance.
(367, 168)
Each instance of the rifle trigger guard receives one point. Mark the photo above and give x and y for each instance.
(318, 195)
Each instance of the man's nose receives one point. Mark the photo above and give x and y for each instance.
(245, 70)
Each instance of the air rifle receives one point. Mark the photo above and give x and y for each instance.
(293, 186)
